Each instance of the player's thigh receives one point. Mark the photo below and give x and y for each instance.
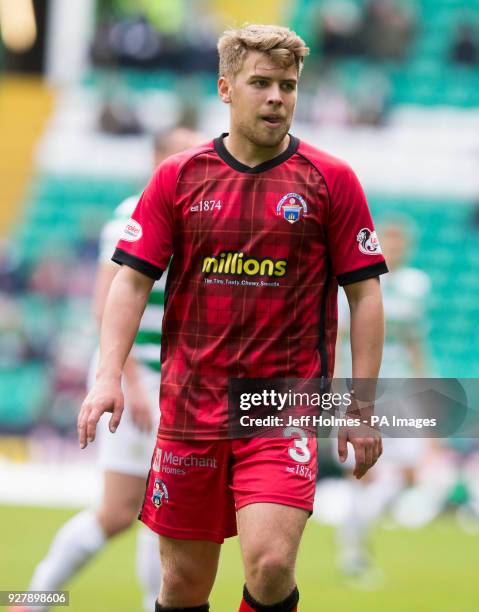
(121, 501)
(273, 482)
(280, 470)
(123, 490)
(270, 533)
(188, 564)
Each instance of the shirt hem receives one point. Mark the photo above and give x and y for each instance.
(355, 276)
(141, 265)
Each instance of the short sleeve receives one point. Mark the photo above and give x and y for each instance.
(146, 242)
(354, 248)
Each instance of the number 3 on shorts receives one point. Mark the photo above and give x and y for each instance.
(300, 452)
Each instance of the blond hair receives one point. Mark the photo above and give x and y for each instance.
(282, 45)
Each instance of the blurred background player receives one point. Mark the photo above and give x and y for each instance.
(405, 292)
(124, 457)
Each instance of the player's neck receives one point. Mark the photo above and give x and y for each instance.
(250, 154)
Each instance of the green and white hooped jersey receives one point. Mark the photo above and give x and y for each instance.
(147, 346)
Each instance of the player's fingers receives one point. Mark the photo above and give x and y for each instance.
(369, 453)
(361, 472)
(371, 447)
(91, 423)
(342, 445)
(81, 426)
(377, 449)
(359, 454)
(116, 416)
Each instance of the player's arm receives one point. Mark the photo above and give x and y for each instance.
(367, 339)
(124, 308)
(357, 262)
(138, 401)
(366, 327)
(144, 250)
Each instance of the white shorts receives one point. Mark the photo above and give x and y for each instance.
(128, 450)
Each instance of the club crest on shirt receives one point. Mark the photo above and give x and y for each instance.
(368, 242)
(291, 207)
(160, 492)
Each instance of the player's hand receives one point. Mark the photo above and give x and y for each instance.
(367, 444)
(139, 407)
(105, 396)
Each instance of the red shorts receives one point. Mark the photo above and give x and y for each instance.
(194, 488)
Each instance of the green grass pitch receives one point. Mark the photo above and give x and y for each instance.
(431, 570)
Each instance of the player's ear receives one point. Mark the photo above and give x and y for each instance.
(224, 90)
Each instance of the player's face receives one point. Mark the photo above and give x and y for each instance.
(262, 97)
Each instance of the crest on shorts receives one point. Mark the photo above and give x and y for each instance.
(368, 242)
(291, 207)
(160, 492)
